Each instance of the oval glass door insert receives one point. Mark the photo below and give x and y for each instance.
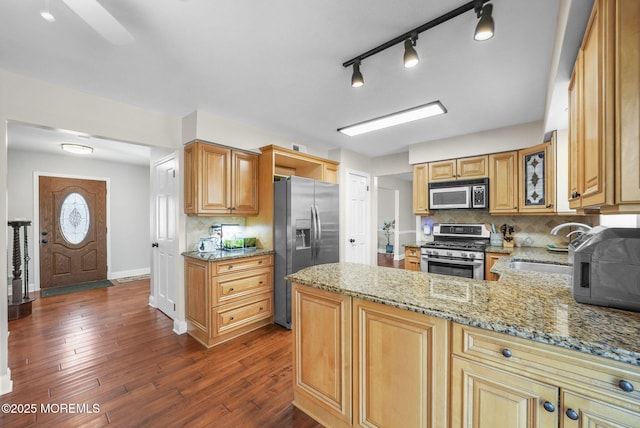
(74, 218)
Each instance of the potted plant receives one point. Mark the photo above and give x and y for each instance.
(387, 228)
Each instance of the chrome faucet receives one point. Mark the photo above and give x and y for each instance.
(581, 228)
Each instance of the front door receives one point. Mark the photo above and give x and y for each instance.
(73, 231)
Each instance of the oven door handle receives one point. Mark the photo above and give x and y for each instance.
(455, 262)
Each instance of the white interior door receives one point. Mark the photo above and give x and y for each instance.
(357, 247)
(165, 244)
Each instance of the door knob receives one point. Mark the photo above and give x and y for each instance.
(155, 245)
(352, 240)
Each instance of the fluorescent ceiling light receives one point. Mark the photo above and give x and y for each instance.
(77, 149)
(427, 110)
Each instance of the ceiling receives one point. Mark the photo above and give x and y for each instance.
(277, 65)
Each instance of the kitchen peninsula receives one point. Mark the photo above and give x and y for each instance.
(402, 348)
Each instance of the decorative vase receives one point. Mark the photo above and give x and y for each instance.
(389, 248)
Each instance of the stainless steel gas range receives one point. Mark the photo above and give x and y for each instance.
(457, 249)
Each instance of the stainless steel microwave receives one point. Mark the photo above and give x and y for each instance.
(459, 194)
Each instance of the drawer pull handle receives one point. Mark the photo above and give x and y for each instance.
(626, 386)
(261, 282)
(231, 289)
(549, 407)
(572, 414)
(260, 262)
(507, 353)
(230, 267)
(260, 307)
(230, 318)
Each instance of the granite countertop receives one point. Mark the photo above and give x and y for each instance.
(219, 255)
(530, 305)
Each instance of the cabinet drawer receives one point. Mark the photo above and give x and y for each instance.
(560, 365)
(227, 288)
(412, 252)
(233, 316)
(236, 265)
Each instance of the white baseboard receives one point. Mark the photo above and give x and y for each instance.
(128, 273)
(6, 384)
(179, 326)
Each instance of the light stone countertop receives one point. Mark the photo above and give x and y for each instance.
(531, 305)
(220, 255)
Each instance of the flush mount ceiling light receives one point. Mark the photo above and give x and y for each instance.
(409, 38)
(46, 13)
(409, 115)
(77, 149)
(484, 29)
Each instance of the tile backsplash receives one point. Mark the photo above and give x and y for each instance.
(530, 231)
(198, 227)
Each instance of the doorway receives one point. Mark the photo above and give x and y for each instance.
(72, 233)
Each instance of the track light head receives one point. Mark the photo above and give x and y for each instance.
(46, 14)
(484, 29)
(356, 78)
(410, 55)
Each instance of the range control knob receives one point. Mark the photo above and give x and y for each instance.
(464, 255)
(449, 253)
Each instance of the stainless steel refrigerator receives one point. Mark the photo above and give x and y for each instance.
(306, 233)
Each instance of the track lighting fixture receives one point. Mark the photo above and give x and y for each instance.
(410, 55)
(46, 13)
(484, 31)
(356, 78)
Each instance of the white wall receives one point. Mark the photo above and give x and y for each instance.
(129, 218)
(397, 163)
(480, 143)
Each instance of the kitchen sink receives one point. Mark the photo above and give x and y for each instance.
(541, 267)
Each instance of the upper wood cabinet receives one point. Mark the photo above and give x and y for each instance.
(503, 179)
(604, 108)
(420, 189)
(219, 180)
(537, 183)
(459, 169)
(523, 181)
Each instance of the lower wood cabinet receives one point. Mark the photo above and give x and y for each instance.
(365, 364)
(400, 363)
(358, 363)
(490, 259)
(503, 381)
(226, 299)
(412, 258)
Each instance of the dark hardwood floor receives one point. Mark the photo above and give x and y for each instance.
(107, 351)
(386, 259)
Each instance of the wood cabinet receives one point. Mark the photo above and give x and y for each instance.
(536, 385)
(226, 299)
(368, 364)
(421, 189)
(219, 180)
(277, 163)
(412, 258)
(490, 259)
(523, 181)
(459, 169)
(503, 183)
(400, 363)
(322, 377)
(604, 97)
(537, 178)
(487, 397)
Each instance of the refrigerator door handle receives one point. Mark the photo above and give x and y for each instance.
(319, 225)
(314, 223)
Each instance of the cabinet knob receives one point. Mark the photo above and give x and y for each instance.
(572, 414)
(549, 407)
(44, 241)
(507, 353)
(230, 267)
(260, 307)
(515, 208)
(575, 194)
(260, 262)
(626, 386)
(230, 318)
(261, 282)
(549, 206)
(231, 289)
